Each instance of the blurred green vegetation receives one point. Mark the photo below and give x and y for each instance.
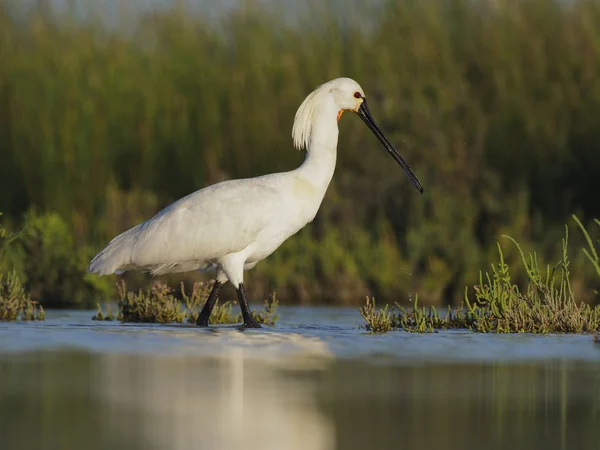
(51, 266)
(496, 105)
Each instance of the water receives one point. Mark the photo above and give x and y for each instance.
(316, 381)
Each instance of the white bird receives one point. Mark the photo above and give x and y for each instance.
(231, 226)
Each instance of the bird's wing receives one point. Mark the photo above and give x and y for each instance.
(215, 221)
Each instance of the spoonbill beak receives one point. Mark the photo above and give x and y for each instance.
(364, 113)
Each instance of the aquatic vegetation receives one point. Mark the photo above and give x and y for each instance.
(221, 313)
(159, 304)
(376, 321)
(15, 303)
(104, 316)
(423, 319)
(268, 315)
(545, 305)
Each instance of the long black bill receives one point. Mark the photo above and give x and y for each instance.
(365, 115)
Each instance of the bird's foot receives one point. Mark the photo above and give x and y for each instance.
(252, 324)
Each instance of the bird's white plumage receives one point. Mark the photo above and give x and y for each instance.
(232, 225)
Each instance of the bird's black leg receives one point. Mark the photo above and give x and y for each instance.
(249, 322)
(202, 320)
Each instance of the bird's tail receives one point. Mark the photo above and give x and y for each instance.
(116, 256)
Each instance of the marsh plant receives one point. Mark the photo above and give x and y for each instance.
(15, 303)
(545, 304)
(160, 304)
(104, 316)
(425, 319)
(222, 313)
(376, 321)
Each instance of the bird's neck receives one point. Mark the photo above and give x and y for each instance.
(319, 164)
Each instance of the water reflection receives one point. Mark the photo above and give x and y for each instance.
(81, 400)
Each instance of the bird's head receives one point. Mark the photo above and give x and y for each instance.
(347, 95)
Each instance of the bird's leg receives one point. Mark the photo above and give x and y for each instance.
(202, 320)
(249, 321)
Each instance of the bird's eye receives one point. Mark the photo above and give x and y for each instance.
(357, 95)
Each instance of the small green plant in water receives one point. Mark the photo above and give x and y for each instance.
(160, 305)
(415, 318)
(221, 313)
(546, 305)
(376, 321)
(15, 303)
(101, 315)
(423, 319)
(268, 315)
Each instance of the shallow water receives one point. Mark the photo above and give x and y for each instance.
(315, 381)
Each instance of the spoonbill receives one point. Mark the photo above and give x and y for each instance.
(232, 225)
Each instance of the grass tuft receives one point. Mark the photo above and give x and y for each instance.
(423, 319)
(545, 305)
(157, 305)
(15, 303)
(376, 321)
(268, 315)
(100, 315)
(160, 305)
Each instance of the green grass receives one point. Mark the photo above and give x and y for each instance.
(15, 303)
(160, 304)
(545, 304)
(104, 316)
(375, 321)
(495, 105)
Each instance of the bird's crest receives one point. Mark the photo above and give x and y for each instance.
(304, 119)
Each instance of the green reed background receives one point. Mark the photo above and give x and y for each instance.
(495, 104)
